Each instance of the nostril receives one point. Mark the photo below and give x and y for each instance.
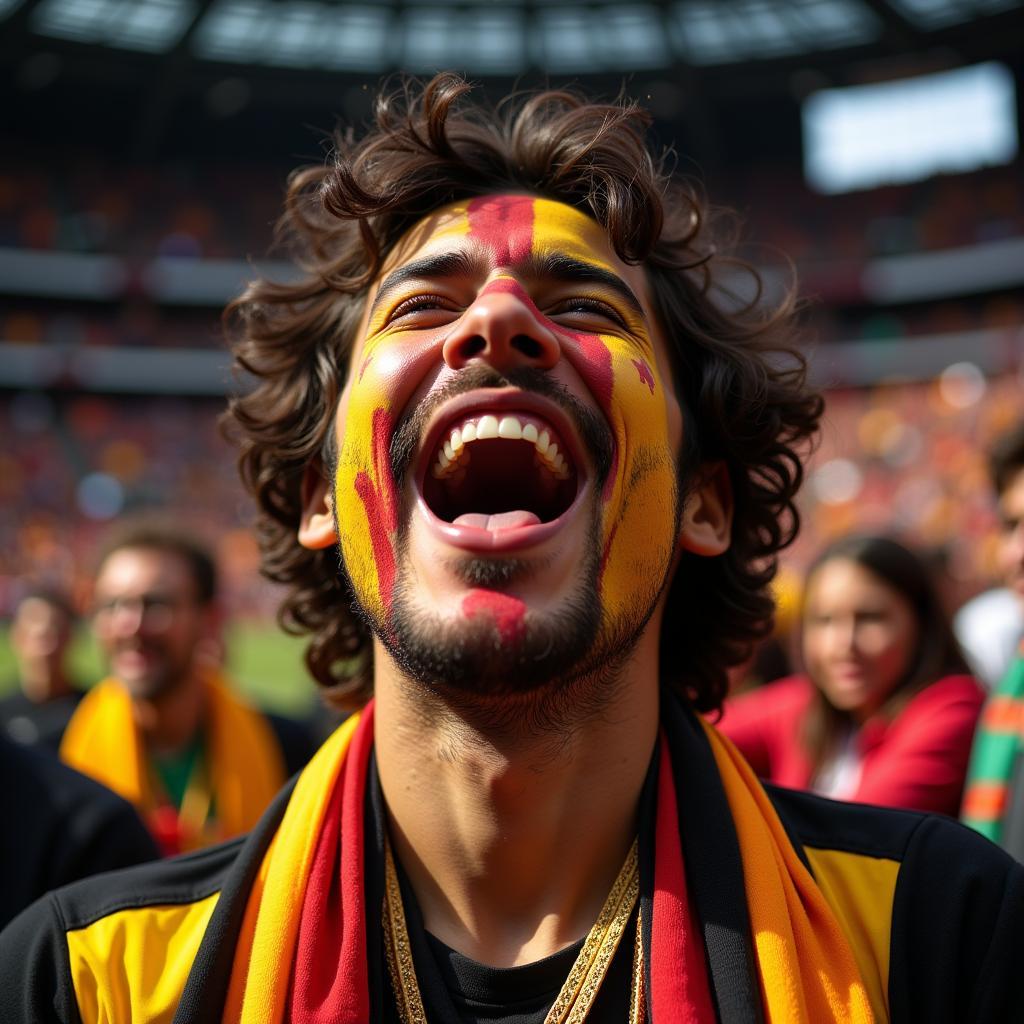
(527, 346)
(472, 347)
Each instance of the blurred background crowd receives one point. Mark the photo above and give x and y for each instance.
(869, 147)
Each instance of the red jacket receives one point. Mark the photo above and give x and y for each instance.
(917, 761)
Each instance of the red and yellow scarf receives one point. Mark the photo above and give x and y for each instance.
(243, 758)
(308, 898)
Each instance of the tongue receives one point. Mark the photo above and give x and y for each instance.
(499, 521)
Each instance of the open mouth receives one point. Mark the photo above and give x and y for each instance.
(500, 472)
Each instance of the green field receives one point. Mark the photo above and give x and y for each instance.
(265, 663)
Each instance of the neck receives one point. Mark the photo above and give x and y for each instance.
(41, 683)
(512, 844)
(169, 721)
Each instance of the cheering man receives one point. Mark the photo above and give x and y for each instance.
(525, 466)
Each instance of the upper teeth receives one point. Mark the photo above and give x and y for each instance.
(453, 454)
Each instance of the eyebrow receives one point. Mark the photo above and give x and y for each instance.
(446, 264)
(554, 266)
(560, 267)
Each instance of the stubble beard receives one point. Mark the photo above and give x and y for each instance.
(563, 666)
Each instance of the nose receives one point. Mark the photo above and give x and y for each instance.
(842, 636)
(502, 328)
(122, 618)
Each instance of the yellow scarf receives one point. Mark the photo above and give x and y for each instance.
(246, 766)
(807, 969)
(807, 972)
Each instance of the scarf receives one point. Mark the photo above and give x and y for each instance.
(244, 762)
(777, 954)
(994, 755)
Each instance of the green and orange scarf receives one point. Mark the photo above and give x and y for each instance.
(997, 745)
(303, 955)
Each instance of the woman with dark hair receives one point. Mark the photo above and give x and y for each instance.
(885, 710)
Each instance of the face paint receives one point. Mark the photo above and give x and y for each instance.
(507, 613)
(621, 372)
(509, 238)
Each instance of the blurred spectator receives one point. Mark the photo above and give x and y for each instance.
(990, 626)
(41, 630)
(59, 826)
(165, 731)
(885, 712)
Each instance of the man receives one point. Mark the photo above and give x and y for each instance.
(994, 794)
(164, 730)
(991, 625)
(554, 469)
(41, 631)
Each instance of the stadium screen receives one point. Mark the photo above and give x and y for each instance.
(869, 135)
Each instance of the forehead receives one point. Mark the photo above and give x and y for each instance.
(847, 581)
(509, 231)
(37, 610)
(136, 570)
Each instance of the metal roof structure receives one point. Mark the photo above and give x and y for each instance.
(151, 77)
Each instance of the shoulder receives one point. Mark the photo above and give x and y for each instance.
(784, 699)
(860, 829)
(177, 882)
(962, 690)
(54, 801)
(101, 933)
(940, 907)
(915, 840)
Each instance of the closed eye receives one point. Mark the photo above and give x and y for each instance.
(583, 305)
(422, 304)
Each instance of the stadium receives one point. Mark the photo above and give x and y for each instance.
(551, 667)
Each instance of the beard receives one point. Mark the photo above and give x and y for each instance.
(562, 665)
(560, 669)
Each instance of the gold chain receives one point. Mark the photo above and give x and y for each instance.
(577, 995)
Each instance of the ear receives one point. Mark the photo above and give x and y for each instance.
(706, 527)
(316, 527)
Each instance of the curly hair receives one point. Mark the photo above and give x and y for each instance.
(739, 379)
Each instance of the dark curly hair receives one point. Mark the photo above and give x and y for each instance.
(740, 383)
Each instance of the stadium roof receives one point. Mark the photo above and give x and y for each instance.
(507, 37)
(250, 78)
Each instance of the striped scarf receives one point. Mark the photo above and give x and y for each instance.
(997, 745)
(308, 944)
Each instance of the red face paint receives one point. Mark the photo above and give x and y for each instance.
(507, 613)
(505, 225)
(645, 373)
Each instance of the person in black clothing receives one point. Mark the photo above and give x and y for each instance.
(59, 826)
(44, 696)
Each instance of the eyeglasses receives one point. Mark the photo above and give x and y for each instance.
(156, 611)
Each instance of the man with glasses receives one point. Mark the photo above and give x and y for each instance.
(164, 729)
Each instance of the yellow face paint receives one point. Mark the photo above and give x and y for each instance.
(616, 368)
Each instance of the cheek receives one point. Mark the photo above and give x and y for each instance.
(384, 379)
(890, 648)
(637, 536)
(811, 648)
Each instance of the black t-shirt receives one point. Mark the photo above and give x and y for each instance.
(457, 990)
